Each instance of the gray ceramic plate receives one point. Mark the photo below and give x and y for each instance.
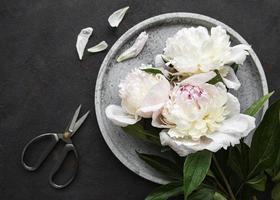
(161, 27)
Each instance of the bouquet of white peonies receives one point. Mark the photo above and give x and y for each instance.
(183, 105)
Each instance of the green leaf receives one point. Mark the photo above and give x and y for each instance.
(163, 165)
(166, 191)
(235, 67)
(275, 194)
(247, 193)
(216, 79)
(258, 182)
(256, 106)
(277, 162)
(202, 194)
(165, 58)
(152, 70)
(274, 171)
(276, 177)
(266, 140)
(210, 174)
(238, 159)
(165, 149)
(218, 196)
(196, 167)
(149, 135)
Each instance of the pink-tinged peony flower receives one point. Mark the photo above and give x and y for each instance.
(194, 50)
(141, 94)
(201, 116)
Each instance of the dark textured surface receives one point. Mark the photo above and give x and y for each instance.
(42, 81)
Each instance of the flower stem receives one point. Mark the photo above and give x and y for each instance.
(239, 189)
(220, 186)
(224, 178)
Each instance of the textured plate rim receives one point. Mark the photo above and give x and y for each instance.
(125, 36)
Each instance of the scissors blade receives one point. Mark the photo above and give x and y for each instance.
(74, 119)
(79, 123)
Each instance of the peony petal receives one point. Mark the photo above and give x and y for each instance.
(155, 99)
(239, 125)
(199, 78)
(156, 120)
(232, 105)
(135, 49)
(231, 80)
(220, 36)
(180, 149)
(238, 54)
(99, 47)
(82, 40)
(183, 147)
(120, 118)
(116, 18)
(229, 133)
(221, 140)
(159, 62)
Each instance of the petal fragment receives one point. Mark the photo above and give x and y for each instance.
(119, 117)
(135, 49)
(117, 16)
(99, 47)
(82, 40)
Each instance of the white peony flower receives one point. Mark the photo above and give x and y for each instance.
(201, 116)
(194, 50)
(141, 94)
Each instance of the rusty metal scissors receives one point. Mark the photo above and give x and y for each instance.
(55, 138)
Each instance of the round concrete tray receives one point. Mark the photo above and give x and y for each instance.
(161, 27)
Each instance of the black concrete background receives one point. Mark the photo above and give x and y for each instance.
(42, 81)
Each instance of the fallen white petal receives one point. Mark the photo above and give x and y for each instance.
(99, 47)
(119, 117)
(135, 49)
(231, 80)
(116, 18)
(82, 40)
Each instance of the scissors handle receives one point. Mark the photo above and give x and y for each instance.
(54, 140)
(68, 148)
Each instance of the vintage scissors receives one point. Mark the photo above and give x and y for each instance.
(55, 138)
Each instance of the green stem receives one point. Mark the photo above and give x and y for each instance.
(224, 178)
(239, 189)
(220, 186)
